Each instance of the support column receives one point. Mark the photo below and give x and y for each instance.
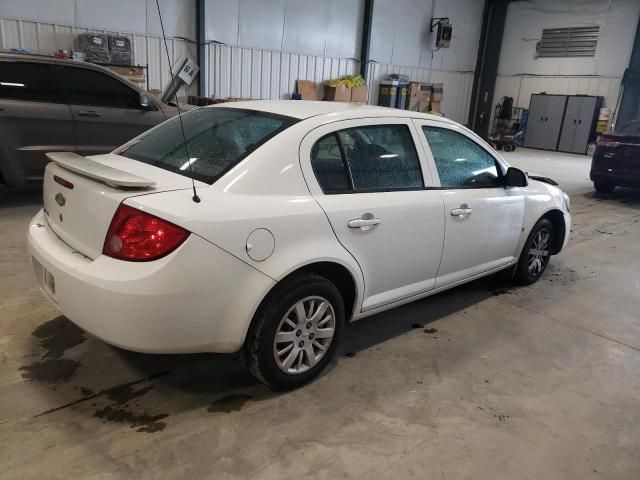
(629, 108)
(366, 38)
(201, 39)
(484, 81)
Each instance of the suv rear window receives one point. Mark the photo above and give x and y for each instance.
(217, 140)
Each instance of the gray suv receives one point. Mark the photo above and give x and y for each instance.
(49, 104)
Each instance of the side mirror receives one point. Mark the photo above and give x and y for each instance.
(146, 103)
(515, 178)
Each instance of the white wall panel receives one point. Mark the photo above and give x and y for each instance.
(401, 33)
(344, 32)
(55, 12)
(457, 86)
(305, 26)
(312, 27)
(261, 24)
(266, 74)
(525, 20)
(221, 20)
(178, 16)
(118, 15)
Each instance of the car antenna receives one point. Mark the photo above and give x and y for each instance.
(195, 197)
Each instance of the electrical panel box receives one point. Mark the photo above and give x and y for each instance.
(443, 37)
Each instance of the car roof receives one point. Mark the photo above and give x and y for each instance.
(303, 109)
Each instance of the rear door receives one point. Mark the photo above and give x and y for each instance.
(34, 119)
(369, 178)
(106, 111)
(483, 219)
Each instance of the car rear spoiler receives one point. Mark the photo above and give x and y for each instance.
(98, 171)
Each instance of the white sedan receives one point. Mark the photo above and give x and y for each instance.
(306, 215)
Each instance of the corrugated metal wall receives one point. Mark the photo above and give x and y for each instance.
(266, 74)
(457, 86)
(45, 38)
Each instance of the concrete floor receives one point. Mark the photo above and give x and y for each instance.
(484, 381)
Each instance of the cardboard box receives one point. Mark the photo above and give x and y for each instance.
(307, 90)
(435, 107)
(337, 94)
(438, 92)
(602, 125)
(419, 97)
(360, 94)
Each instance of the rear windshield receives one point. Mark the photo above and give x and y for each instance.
(217, 140)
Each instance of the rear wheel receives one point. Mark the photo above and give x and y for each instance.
(295, 332)
(603, 187)
(508, 147)
(535, 254)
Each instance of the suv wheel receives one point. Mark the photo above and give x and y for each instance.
(295, 331)
(603, 187)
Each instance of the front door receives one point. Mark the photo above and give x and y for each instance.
(483, 219)
(34, 119)
(369, 178)
(106, 111)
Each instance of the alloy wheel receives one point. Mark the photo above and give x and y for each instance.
(539, 252)
(304, 334)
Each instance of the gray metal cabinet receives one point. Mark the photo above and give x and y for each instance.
(579, 122)
(546, 113)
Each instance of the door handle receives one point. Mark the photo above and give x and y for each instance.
(1, 108)
(363, 224)
(89, 113)
(461, 211)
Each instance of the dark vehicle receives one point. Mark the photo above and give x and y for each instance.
(616, 161)
(49, 104)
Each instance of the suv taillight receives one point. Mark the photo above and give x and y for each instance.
(137, 236)
(606, 141)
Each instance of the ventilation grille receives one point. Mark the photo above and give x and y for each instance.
(569, 42)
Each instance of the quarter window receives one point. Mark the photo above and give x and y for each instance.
(89, 87)
(461, 163)
(367, 159)
(27, 81)
(328, 165)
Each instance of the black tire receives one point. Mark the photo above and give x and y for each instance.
(259, 348)
(603, 187)
(508, 147)
(524, 274)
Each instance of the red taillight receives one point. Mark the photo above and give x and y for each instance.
(137, 236)
(606, 141)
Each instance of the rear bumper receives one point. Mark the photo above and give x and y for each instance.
(620, 178)
(197, 299)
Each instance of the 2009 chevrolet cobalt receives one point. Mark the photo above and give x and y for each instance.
(306, 215)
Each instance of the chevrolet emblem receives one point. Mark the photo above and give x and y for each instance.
(60, 200)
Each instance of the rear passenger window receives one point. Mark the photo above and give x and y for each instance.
(367, 159)
(27, 81)
(328, 165)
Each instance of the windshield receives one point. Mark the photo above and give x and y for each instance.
(217, 140)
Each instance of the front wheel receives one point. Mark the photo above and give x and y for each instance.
(535, 254)
(295, 331)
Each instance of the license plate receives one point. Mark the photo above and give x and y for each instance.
(49, 282)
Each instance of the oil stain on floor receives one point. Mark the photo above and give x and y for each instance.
(120, 409)
(55, 337)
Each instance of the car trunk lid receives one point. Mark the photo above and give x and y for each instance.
(81, 194)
